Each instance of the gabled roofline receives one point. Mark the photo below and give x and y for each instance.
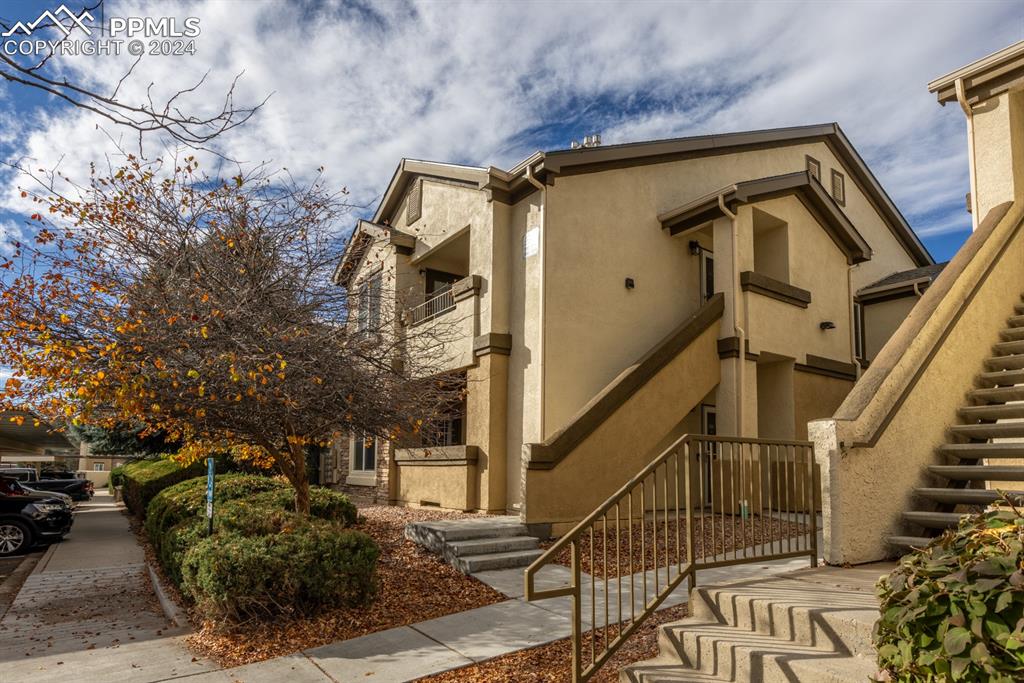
(409, 168)
(510, 186)
(983, 78)
(403, 241)
(707, 208)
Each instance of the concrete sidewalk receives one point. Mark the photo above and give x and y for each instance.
(429, 647)
(88, 612)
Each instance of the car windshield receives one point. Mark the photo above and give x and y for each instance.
(11, 487)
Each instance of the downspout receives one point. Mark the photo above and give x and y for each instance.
(542, 287)
(961, 98)
(740, 332)
(853, 321)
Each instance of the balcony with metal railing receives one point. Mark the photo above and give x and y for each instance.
(437, 304)
(445, 325)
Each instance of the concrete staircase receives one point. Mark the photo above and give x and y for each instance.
(989, 446)
(477, 544)
(813, 625)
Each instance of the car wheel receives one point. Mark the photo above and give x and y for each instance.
(14, 537)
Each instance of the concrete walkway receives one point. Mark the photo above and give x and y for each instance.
(429, 647)
(88, 612)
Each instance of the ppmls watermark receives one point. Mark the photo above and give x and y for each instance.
(134, 36)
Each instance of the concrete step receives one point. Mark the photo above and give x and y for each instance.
(1015, 321)
(933, 520)
(484, 546)
(992, 430)
(1009, 411)
(1008, 348)
(1019, 308)
(799, 627)
(433, 535)
(979, 472)
(1012, 334)
(1001, 378)
(976, 451)
(909, 541)
(470, 564)
(998, 394)
(963, 496)
(1004, 362)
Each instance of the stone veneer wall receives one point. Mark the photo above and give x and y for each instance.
(336, 471)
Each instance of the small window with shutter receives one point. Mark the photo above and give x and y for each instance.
(415, 207)
(838, 187)
(814, 168)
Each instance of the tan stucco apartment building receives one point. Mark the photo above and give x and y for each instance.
(604, 300)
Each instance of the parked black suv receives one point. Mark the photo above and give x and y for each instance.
(78, 489)
(30, 517)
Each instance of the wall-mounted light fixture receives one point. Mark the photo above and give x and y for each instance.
(695, 248)
(630, 284)
(827, 325)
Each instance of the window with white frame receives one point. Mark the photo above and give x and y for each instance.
(364, 454)
(369, 303)
(97, 467)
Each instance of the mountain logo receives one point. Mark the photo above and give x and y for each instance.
(67, 26)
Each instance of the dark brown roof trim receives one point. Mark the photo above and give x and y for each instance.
(820, 204)
(729, 347)
(589, 159)
(775, 289)
(828, 367)
(984, 78)
(548, 454)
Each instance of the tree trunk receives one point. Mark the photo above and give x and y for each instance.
(297, 476)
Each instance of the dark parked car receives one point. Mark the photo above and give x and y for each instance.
(78, 489)
(28, 518)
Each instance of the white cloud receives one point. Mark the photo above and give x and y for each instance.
(358, 87)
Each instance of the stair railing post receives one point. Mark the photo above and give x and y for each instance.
(577, 615)
(812, 506)
(690, 538)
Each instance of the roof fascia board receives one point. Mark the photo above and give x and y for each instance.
(409, 168)
(996, 72)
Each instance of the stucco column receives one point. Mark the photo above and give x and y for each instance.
(998, 124)
(486, 420)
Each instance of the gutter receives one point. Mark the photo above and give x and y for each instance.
(741, 333)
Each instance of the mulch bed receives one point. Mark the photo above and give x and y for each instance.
(713, 535)
(551, 663)
(414, 585)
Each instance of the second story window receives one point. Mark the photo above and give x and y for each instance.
(369, 304)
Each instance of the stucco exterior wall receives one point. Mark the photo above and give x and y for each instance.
(882, 319)
(885, 433)
(626, 440)
(999, 150)
(603, 228)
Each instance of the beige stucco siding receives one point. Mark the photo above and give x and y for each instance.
(881, 319)
(525, 328)
(603, 228)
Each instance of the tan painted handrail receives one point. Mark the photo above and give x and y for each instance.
(751, 499)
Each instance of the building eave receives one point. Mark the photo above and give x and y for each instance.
(985, 77)
(707, 208)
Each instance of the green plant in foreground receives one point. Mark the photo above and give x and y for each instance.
(954, 611)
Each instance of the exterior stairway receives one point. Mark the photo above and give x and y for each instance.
(813, 625)
(978, 451)
(477, 544)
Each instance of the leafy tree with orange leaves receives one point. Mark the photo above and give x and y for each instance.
(203, 309)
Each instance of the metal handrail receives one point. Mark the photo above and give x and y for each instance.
(441, 302)
(779, 483)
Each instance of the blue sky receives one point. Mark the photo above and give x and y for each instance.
(357, 86)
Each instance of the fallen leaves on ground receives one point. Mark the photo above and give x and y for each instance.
(551, 663)
(414, 585)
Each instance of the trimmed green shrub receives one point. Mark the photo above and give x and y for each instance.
(305, 565)
(955, 610)
(146, 478)
(323, 503)
(116, 476)
(187, 499)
